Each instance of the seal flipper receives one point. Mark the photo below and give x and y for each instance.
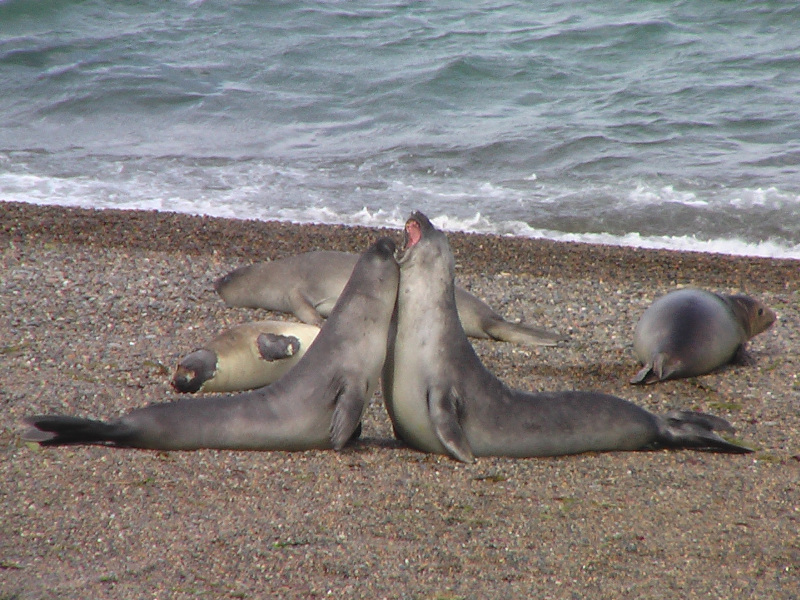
(57, 430)
(273, 346)
(689, 429)
(443, 411)
(518, 333)
(661, 368)
(645, 376)
(742, 357)
(303, 309)
(194, 370)
(346, 420)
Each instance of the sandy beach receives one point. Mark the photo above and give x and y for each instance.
(98, 307)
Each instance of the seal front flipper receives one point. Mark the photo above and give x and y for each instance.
(273, 346)
(443, 410)
(346, 419)
(194, 370)
(303, 309)
(742, 357)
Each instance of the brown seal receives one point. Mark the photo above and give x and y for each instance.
(691, 332)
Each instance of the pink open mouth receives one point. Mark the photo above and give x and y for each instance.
(413, 233)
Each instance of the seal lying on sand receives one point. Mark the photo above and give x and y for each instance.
(691, 332)
(442, 399)
(244, 357)
(308, 284)
(318, 404)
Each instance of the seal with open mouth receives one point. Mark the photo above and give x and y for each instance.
(442, 399)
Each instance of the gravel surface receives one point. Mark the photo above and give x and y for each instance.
(98, 307)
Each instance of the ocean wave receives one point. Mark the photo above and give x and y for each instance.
(477, 223)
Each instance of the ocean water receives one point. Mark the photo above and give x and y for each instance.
(648, 123)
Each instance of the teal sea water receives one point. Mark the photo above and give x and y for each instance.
(647, 123)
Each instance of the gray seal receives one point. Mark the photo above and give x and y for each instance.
(318, 404)
(308, 284)
(691, 332)
(442, 399)
(244, 357)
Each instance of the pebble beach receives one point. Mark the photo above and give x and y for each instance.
(99, 306)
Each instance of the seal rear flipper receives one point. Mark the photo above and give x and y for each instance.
(689, 429)
(660, 369)
(443, 411)
(645, 376)
(346, 420)
(57, 430)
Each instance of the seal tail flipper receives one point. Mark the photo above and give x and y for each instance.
(518, 333)
(689, 429)
(56, 430)
(660, 369)
(645, 376)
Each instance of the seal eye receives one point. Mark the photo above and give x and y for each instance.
(760, 312)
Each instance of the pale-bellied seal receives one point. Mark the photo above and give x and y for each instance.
(442, 399)
(244, 357)
(318, 404)
(691, 332)
(308, 284)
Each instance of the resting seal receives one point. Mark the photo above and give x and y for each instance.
(691, 332)
(244, 357)
(442, 399)
(307, 285)
(318, 404)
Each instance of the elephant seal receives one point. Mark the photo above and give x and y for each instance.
(244, 357)
(442, 399)
(691, 332)
(318, 404)
(308, 284)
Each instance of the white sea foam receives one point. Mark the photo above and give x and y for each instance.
(648, 195)
(731, 246)
(395, 218)
(263, 191)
